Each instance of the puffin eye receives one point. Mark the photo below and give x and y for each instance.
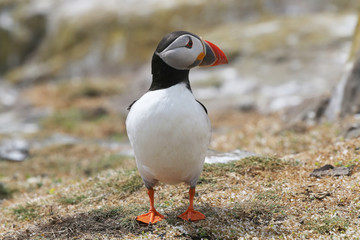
(189, 44)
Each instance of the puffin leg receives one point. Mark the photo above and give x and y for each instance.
(152, 216)
(190, 214)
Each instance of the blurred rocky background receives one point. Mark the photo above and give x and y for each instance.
(69, 69)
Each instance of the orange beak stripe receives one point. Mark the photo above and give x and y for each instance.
(201, 56)
(219, 54)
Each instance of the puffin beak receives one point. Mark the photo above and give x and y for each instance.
(214, 55)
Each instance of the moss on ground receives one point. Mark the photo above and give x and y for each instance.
(327, 225)
(26, 212)
(72, 200)
(5, 191)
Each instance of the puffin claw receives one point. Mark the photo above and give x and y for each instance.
(151, 217)
(192, 215)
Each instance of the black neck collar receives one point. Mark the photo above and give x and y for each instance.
(165, 76)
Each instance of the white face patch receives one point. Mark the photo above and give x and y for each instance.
(183, 52)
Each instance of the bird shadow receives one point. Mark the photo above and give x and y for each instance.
(112, 222)
(116, 222)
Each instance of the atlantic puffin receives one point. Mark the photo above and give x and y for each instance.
(168, 128)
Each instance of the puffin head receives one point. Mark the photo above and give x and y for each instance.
(183, 50)
(177, 53)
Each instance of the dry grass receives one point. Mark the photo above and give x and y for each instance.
(263, 197)
(80, 108)
(79, 93)
(267, 135)
(87, 192)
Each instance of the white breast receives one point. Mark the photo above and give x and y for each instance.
(170, 132)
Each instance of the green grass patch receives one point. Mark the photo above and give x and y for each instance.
(68, 119)
(268, 195)
(109, 162)
(328, 225)
(122, 187)
(206, 180)
(27, 212)
(5, 192)
(73, 200)
(133, 184)
(71, 118)
(96, 122)
(74, 160)
(261, 163)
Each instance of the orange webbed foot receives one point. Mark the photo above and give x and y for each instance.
(151, 217)
(192, 215)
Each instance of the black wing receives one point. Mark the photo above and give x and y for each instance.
(129, 107)
(200, 104)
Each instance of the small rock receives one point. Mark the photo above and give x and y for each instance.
(329, 170)
(352, 132)
(322, 195)
(247, 106)
(309, 111)
(14, 150)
